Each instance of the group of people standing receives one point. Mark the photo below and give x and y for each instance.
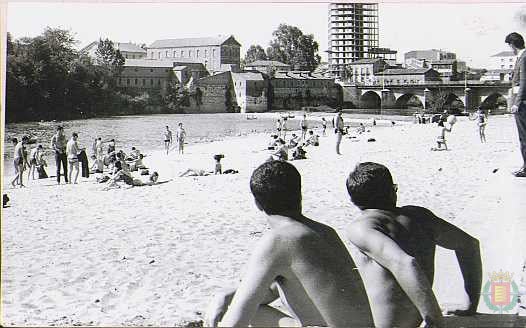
(180, 136)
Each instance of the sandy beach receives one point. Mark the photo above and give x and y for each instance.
(78, 255)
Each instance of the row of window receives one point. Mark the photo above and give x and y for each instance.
(297, 83)
(134, 56)
(143, 82)
(198, 53)
(502, 66)
(511, 59)
(370, 42)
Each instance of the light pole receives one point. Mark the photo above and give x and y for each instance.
(426, 91)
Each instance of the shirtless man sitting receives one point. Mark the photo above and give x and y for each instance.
(397, 249)
(299, 261)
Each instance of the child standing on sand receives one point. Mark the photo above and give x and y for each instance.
(299, 261)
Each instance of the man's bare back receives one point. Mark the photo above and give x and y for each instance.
(397, 249)
(299, 261)
(391, 303)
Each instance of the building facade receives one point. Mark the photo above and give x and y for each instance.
(141, 75)
(503, 75)
(128, 50)
(408, 76)
(502, 60)
(430, 55)
(217, 54)
(294, 90)
(364, 71)
(353, 33)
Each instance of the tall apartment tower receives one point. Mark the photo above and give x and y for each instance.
(353, 34)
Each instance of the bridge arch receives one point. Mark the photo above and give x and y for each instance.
(408, 100)
(370, 99)
(494, 101)
(448, 101)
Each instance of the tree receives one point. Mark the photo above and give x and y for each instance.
(255, 52)
(291, 46)
(110, 60)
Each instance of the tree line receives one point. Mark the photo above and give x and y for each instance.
(47, 78)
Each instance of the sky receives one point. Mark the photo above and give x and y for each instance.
(474, 31)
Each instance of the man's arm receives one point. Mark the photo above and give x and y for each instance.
(265, 264)
(53, 143)
(521, 95)
(405, 269)
(467, 250)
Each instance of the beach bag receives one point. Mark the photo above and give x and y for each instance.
(41, 172)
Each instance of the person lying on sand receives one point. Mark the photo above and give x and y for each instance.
(194, 173)
(299, 261)
(397, 250)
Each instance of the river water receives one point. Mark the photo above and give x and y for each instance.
(144, 132)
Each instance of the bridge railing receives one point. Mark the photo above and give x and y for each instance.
(469, 83)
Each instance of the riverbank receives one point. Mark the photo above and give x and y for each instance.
(77, 255)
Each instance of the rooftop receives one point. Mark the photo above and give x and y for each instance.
(398, 71)
(367, 61)
(192, 42)
(128, 47)
(267, 63)
(504, 54)
(251, 76)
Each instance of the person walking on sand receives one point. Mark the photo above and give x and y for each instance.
(339, 130)
(397, 252)
(167, 139)
(19, 161)
(299, 261)
(58, 145)
(278, 127)
(324, 126)
(303, 127)
(181, 136)
(518, 93)
(72, 151)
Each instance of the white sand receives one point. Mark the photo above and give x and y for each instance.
(74, 254)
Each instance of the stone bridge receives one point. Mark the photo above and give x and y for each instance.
(428, 97)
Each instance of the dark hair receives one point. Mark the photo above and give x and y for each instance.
(311, 132)
(133, 148)
(74, 134)
(40, 146)
(515, 39)
(118, 165)
(370, 185)
(60, 127)
(276, 186)
(25, 138)
(440, 122)
(15, 140)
